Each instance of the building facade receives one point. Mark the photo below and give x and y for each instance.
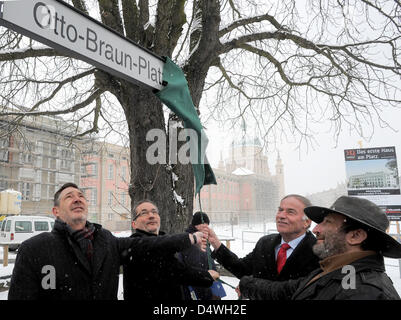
(370, 180)
(105, 177)
(246, 191)
(327, 197)
(36, 159)
(43, 154)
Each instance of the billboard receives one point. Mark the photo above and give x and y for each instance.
(372, 173)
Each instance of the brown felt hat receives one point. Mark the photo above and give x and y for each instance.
(365, 212)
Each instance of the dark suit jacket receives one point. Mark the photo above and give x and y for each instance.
(261, 262)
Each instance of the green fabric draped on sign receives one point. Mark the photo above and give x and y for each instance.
(175, 95)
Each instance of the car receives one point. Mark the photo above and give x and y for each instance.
(17, 228)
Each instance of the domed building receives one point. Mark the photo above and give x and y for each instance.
(246, 191)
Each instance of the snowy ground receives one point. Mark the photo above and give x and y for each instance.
(244, 242)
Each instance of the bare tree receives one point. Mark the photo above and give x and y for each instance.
(285, 63)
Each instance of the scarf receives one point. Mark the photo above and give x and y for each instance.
(84, 238)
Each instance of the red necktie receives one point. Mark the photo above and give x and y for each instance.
(282, 256)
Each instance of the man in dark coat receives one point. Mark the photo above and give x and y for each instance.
(79, 260)
(158, 276)
(195, 257)
(292, 225)
(351, 242)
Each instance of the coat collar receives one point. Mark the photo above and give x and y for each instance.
(141, 233)
(99, 245)
(339, 260)
(309, 289)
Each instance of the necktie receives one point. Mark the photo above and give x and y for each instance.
(282, 256)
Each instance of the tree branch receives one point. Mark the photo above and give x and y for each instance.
(33, 52)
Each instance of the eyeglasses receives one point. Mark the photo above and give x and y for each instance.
(146, 213)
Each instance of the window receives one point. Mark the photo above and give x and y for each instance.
(110, 198)
(94, 170)
(123, 173)
(8, 226)
(110, 216)
(66, 156)
(3, 150)
(26, 156)
(25, 188)
(3, 183)
(110, 171)
(93, 197)
(23, 226)
(41, 226)
(53, 149)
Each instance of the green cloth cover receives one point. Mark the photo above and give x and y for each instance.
(175, 95)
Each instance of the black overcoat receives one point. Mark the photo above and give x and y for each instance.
(195, 257)
(159, 276)
(371, 283)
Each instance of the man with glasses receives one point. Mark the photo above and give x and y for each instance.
(158, 276)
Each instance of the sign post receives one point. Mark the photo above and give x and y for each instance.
(61, 26)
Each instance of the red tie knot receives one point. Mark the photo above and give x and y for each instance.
(285, 246)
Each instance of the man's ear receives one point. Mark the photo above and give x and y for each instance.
(308, 223)
(356, 237)
(55, 211)
(133, 225)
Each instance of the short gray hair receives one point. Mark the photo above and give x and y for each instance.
(138, 203)
(304, 200)
(56, 200)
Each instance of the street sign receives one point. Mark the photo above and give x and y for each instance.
(73, 33)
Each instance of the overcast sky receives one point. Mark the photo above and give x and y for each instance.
(310, 171)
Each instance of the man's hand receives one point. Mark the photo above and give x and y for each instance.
(237, 291)
(200, 240)
(215, 275)
(214, 241)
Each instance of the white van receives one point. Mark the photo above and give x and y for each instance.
(15, 229)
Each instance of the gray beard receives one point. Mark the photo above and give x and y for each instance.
(334, 245)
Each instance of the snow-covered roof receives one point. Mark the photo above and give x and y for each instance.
(241, 171)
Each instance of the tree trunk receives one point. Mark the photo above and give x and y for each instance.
(144, 112)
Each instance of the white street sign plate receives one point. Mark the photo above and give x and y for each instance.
(71, 32)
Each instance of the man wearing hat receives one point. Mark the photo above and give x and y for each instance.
(200, 259)
(351, 242)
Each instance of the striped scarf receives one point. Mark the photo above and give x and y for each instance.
(84, 238)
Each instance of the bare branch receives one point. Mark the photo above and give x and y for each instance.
(29, 53)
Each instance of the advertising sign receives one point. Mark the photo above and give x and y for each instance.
(372, 173)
